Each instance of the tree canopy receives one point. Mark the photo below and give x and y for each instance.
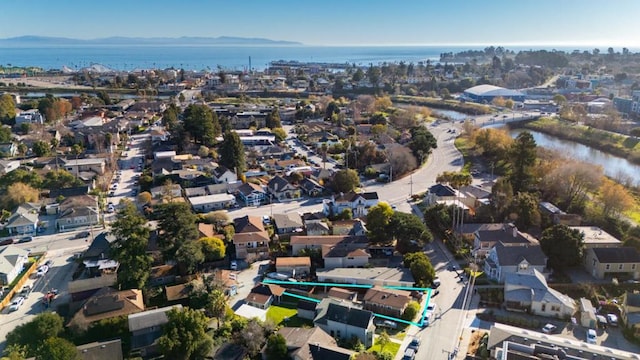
(56, 348)
(522, 155)
(185, 336)
(421, 268)
(272, 120)
(345, 180)
(130, 247)
(232, 152)
(422, 142)
(32, 334)
(276, 347)
(563, 246)
(178, 225)
(7, 109)
(202, 124)
(378, 218)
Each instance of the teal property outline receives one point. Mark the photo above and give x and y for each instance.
(419, 324)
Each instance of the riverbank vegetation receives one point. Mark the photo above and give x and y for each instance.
(610, 142)
(446, 104)
(531, 174)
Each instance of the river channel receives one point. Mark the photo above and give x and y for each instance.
(614, 167)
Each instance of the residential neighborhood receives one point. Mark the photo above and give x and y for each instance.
(316, 210)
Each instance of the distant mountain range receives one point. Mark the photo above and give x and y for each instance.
(31, 40)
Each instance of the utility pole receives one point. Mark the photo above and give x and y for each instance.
(411, 185)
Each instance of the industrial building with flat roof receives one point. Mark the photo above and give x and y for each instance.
(381, 276)
(486, 94)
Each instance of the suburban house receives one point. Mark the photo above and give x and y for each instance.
(166, 191)
(343, 320)
(354, 227)
(504, 259)
(594, 237)
(288, 223)
(386, 301)
(12, 262)
(358, 203)
(24, 220)
(31, 116)
(383, 276)
(630, 312)
(101, 350)
(263, 295)
(7, 166)
(342, 294)
(316, 228)
(146, 328)
(178, 294)
(293, 265)
(311, 187)
(486, 237)
(251, 240)
(617, 261)
(208, 203)
(529, 292)
(279, 188)
(299, 242)
(312, 344)
(106, 304)
(344, 255)
(251, 194)
(159, 135)
(222, 175)
(76, 166)
(440, 193)
(306, 309)
(77, 211)
(83, 289)
(9, 149)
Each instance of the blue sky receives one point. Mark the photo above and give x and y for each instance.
(336, 22)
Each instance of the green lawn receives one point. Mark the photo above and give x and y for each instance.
(286, 315)
(391, 347)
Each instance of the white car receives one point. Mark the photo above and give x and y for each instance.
(612, 319)
(42, 270)
(234, 265)
(591, 336)
(430, 313)
(549, 329)
(16, 303)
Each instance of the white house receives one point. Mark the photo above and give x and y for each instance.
(12, 261)
(344, 256)
(74, 166)
(31, 116)
(358, 203)
(530, 292)
(222, 175)
(212, 202)
(24, 220)
(7, 166)
(343, 320)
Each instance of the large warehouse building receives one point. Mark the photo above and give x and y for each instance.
(486, 94)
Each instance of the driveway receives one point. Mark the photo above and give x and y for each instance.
(247, 279)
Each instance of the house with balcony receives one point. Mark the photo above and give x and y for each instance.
(251, 240)
(251, 194)
(358, 203)
(616, 262)
(504, 259)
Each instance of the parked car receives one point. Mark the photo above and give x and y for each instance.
(414, 344)
(612, 319)
(409, 354)
(591, 336)
(25, 239)
(436, 283)
(26, 289)
(387, 324)
(549, 329)
(233, 265)
(6, 242)
(16, 303)
(83, 234)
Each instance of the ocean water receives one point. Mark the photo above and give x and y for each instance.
(203, 57)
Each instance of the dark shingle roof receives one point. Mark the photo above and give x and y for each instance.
(513, 255)
(442, 190)
(619, 255)
(343, 313)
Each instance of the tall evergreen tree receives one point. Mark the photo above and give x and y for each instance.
(273, 119)
(522, 156)
(202, 124)
(178, 225)
(232, 152)
(130, 247)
